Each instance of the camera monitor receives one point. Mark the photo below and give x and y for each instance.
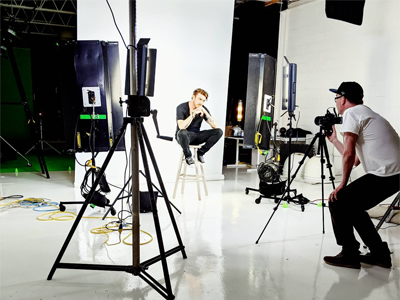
(289, 86)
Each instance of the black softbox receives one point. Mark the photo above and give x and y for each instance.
(350, 11)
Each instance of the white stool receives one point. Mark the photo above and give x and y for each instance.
(183, 176)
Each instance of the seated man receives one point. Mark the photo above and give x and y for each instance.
(189, 116)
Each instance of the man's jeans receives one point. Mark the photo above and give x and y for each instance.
(348, 212)
(208, 137)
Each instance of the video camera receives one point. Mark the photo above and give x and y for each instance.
(326, 122)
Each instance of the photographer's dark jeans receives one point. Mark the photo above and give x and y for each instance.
(349, 210)
(209, 137)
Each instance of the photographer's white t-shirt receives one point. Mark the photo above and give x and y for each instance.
(378, 144)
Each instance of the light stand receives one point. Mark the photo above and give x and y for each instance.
(31, 122)
(288, 198)
(137, 268)
(42, 140)
(322, 148)
(138, 107)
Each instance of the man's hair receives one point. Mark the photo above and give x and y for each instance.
(200, 91)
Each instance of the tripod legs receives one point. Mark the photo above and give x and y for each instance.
(41, 141)
(137, 269)
(122, 190)
(323, 149)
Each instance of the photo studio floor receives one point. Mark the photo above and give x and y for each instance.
(219, 234)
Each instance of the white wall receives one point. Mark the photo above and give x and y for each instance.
(193, 40)
(329, 51)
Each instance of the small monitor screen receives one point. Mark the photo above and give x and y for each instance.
(289, 86)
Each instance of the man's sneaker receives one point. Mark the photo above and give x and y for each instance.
(189, 160)
(378, 258)
(343, 260)
(201, 159)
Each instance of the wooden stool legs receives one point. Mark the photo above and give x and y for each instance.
(183, 176)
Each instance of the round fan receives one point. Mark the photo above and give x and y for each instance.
(268, 172)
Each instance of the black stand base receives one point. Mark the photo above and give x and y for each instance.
(258, 200)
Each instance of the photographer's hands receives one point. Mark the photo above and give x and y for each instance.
(333, 137)
(349, 159)
(332, 196)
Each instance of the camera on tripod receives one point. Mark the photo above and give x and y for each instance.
(326, 122)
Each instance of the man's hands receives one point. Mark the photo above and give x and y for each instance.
(333, 195)
(333, 137)
(200, 110)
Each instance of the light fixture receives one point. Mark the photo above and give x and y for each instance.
(240, 111)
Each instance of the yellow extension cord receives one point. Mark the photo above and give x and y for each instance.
(68, 216)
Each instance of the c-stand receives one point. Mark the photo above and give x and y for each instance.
(301, 200)
(31, 122)
(322, 148)
(16, 151)
(138, 269)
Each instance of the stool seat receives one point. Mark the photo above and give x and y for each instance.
(183, 176)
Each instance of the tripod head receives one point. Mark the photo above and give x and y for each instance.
(139, 106)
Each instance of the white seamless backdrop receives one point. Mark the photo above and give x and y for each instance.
(193, 42)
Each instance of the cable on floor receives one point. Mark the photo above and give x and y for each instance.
(56, 215)
(107, 228)
(25, 203)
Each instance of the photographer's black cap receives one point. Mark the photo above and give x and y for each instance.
(351, 90)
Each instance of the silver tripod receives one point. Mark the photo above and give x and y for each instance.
(42, 141)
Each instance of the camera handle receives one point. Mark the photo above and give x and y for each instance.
(321, 137)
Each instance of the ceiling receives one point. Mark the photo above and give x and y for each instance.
(40, 17)
(290, 3)
(58, 17)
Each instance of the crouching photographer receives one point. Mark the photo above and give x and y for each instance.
(369, 139)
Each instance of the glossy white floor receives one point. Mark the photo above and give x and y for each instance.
(219, 233)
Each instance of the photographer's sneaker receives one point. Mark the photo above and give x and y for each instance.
(201, 159)
(189, 160)
(344, 260)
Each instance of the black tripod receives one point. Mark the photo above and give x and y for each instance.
(42, 141)
(322, 148)
(138, 269)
